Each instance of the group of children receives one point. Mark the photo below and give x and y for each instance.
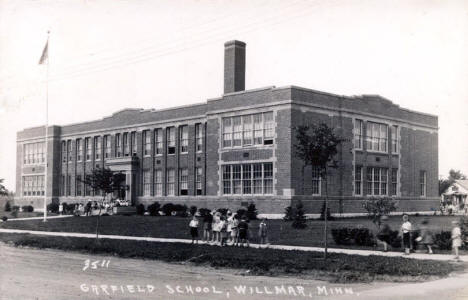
(425, 237)
(230, 229)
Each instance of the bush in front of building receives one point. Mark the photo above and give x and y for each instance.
(288, 214)
(299, 219)
(204, 211)
(7, 206)
(193, 210)
(443, 240)
(252, 212)
(4, 218)
(53, 207)
(154, 208)
(353, 236)
(170, 209)
(27, 208)
(140, 209)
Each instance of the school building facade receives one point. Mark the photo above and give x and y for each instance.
(239, 148)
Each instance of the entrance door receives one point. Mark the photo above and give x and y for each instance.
(121, 192)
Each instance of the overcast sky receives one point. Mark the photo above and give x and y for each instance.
(106, 55)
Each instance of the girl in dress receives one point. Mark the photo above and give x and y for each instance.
(456, 238)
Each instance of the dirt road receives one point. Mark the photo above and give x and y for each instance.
(50, 274)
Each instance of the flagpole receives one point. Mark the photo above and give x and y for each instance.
(46, 132)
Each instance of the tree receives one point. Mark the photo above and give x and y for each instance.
(317, 146)
(444, 184)
(299, 220)
(3, 190)
(105, 181)
(378, 207)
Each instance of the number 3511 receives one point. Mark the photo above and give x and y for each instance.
(88, 264)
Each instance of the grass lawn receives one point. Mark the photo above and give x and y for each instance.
(338, 267)
(279, 232)
(23, 214)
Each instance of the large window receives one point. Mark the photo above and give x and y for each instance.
(126, 144)
(316, 181)
(171, 142)
(64, 151)
(394, 139)
(97, 147)
(146, 182)
(394, 182)
(183, 138)
(358, 134)
(88, 148)
(69, 151)
(376, 137)
(79, 150)
(118, 145)
(68, 185)
(158, 140)
(158, 183)
(248, 179)
(256, 129)
(170, 182)
(198, 180)
(78, 185)
(133, 142)
(107, 146)
(34, 153)
(146, 143)
(422, 183)
(358, 181)
(183, 181)
(199, 137)
(33, 185)
(377, 181)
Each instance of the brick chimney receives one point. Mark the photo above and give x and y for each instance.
(234, 66)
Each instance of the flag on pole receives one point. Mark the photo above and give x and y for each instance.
(45, 54)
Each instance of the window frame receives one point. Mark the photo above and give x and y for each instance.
(248, 179)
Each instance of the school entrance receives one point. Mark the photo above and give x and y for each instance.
(127, 166)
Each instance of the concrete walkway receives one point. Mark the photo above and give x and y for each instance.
(39, 218)
(441, 257)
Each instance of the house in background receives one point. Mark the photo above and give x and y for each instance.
(238, 148)
(456, 196)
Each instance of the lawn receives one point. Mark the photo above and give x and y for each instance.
(338, 267)
(279, 232)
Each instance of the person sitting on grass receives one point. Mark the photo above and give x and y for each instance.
(243, 228)
(406, 232)
(456, 238)
(194, 229)
(263, 232)
(383, 236)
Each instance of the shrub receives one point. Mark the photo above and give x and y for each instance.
(4, 218)
(204, 211)
(193, 210)
(299, 221)
(180, 210)
(288, 214)
(140, 209)
(252, 212)
(15, 207)
(167, 209)
(443, 240)
(395, 239)
(53, 207)
(27, 208)
(153, 209)
(7, 206)
(349, 236)
(376, 208)
(322, 212)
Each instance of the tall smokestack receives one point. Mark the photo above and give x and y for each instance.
(234, 66)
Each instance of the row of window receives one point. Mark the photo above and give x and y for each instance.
(248, 130)
(170, 182)
(34, 153)
(33, 185)
(248, 179)
(376, 138)
(125, 144)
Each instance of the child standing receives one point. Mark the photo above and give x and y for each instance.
(223, 230)
(243, 232)
(406, 231)
(207, 221)
(262, 232)
(194, 229)
(426, 236)
(234, 230)
(456, 238)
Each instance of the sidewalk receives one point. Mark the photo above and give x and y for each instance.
(39, 218)
(441, 257)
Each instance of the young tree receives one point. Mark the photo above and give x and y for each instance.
(378, 207)
(105, 181)
(299, 220)
(317, 146)
(3, 190)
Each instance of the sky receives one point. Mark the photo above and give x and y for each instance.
(106, 55)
